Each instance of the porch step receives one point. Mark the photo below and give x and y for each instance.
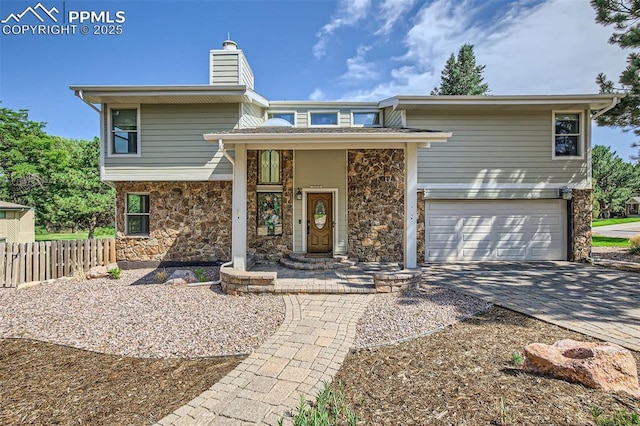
(300, 262)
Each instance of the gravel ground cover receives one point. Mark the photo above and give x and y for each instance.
(615, 253)
(132, 317)
(393, 317)
(459, 375)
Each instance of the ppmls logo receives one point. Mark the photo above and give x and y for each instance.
(52, 22)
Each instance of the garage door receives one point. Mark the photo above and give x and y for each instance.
(495, 230)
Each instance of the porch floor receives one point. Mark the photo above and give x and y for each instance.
(354, 280)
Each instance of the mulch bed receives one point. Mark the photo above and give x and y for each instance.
(44, 384)
(459, 375)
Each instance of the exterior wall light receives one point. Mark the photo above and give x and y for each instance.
(566, 193)
(299, 194)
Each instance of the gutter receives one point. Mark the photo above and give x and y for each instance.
(80, 95)
(614, 102)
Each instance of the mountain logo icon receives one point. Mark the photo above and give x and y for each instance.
(34, 11)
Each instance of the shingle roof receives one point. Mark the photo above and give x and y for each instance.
(5, 205)
(308, 130)
(633, 200)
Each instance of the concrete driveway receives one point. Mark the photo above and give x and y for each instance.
(623, 230)
(600, 302)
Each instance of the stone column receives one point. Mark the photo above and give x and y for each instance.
(582, 211)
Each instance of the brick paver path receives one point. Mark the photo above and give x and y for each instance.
(599, 302)
(306, 351)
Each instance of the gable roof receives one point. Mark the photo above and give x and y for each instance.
(5, 205)
(633, 200)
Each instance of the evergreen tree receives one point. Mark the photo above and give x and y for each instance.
(461, 75)
(624, 15)
(614, 181)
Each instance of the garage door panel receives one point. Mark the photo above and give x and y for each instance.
(495, 230)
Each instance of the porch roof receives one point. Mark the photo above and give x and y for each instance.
(379, 136)
(5, 205)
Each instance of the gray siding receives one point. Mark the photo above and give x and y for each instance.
(224, 68)
(246, 74)
(392, 118)
(505, 148)
(252, 116)
(172, 145)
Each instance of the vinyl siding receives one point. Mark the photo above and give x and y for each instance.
(246, 75)
(252, 116)
(485, 149)
(172, 146)
(329, 169)
(18, 227)
(224, 68)
(392, 118)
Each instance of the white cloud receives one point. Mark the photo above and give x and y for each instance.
(317, 95)
(358, 68)
(391, 11)
(349, 13)
(551, 48)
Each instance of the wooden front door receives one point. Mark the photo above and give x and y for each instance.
(320, 222)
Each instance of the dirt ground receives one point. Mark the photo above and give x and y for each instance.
(458, 377)
(45, 384)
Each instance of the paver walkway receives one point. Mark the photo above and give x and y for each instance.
(306, 351)
(599, 302)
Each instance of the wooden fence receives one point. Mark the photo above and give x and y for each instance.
(40, 261)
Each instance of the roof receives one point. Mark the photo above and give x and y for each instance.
(5, 205)
(633, 200)
(504, 102)
(162, 94)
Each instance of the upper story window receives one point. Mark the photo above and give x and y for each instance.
(567, 134)
(365, 119)
(137, 217)
(125, 131)
(323, 118)
(269, 166)
(288, 116)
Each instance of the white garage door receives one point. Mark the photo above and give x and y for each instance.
(495, 230)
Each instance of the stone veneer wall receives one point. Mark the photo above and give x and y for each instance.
(582, 211)
(375, 188)
(270, 247)
(189, 221)
(421, 231)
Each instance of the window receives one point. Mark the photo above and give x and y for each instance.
(323, 118)
(365, 119)
(289, 116)
(137, 220)
(124, 131)
(269, 213)
(567, 138)
(269, 165)
(3, 215)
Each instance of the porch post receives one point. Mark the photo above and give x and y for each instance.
(239, 221)
(411, 206)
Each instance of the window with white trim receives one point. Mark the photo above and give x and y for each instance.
(137, 214)
(125, 138)
(567, 134)
(365, 119)
(323, 118)
(288, 116)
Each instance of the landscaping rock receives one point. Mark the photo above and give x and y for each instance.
(605, 366)
(97, 272)
(182, 277)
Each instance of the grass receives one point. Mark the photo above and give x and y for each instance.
(600, 241)
(81, 235)
(604, 222)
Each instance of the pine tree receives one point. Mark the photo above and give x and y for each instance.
(624, 15)
(461, 75)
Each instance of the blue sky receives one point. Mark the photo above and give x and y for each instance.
(308, 49)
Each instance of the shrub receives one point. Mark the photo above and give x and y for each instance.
(115, 273)
(635, 244)
(161, 276)
(200, 275)
(516, 358)
(329, 409)
(621, 418)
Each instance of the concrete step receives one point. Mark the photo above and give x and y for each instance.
(331, 263)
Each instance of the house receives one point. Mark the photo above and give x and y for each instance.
(217, 171)
(632, 206)
(16, 223)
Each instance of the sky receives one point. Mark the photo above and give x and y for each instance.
(301, 50)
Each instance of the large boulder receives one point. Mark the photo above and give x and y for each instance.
(605, 366)
(100, 271)
(182, 277)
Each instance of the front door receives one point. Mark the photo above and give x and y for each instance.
(320, 222)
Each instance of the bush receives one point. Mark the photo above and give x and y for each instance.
(161, 276)
(635, 244)
(115, 273)
(329, 409)
(202, 277)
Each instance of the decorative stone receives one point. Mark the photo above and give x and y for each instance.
(582, 214)
(605, 366)
(182, 277)
(97, 272)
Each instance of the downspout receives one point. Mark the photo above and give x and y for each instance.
(210, 283)
(614, 102)
(80, 95)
